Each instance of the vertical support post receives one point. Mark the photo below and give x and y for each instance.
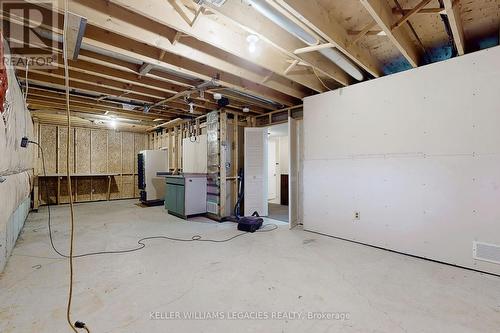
(170, 148)
(223, 160)
(176, 135)
(236, 157)
(179, 150)
(58, 199)
(36, 171)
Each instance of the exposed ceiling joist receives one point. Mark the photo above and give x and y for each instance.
(409, 14)
(117, 67)
(217, 34)
(381, 12)
(363, 32)
(145, 69)
(313, 48)
(425, 11)
(233, 58)
(75, 30)
(453, 11)
(312, 14)
(109, 25)
(253, 22)
(103, 106)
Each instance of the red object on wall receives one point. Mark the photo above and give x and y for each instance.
(4, 82)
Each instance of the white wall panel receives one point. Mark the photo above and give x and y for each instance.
(194, 154)
(417, 154)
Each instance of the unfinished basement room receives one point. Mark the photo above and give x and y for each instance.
(267, 166)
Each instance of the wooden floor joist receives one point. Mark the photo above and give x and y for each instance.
(146, 51)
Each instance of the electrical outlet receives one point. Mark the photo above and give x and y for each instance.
(357, 216)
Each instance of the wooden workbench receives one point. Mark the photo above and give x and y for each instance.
(60, 176)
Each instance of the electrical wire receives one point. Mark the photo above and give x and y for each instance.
(68, 176)
(321, 80)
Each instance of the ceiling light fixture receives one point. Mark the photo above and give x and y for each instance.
(252, 43)
(113, 123)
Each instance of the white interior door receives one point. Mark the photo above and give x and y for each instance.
(256, 177)
(293, 181)
(272, 173)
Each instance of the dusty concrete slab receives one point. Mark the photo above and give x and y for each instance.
(278, 273)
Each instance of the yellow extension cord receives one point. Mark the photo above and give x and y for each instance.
(68, 174)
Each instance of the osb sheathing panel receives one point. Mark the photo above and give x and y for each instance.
(128, 187)
(82, 150)
(61, 156)
(117, 148)
(48, 185)
(128, 153)
(63, 194)
(83, 189)
(480, 18)
(48, 141)
(116, 187)
(99, 188)
(98, 151)
(114, 152)
(137, 191)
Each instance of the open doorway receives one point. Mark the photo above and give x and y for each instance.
(278, 172)
(271, 182)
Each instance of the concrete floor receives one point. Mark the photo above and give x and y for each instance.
(279, 271)
(278, 212)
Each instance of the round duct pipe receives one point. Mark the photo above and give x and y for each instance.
(284, 22)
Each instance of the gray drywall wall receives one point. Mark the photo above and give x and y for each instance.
(417, 154)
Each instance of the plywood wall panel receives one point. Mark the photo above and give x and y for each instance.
(116, 187)
(128, 187)
(62, 133)
(128, 153)
(98, 151)
(114, 152)
(48, 142)
(99, 188)
(82, 150)
(137, 190)
(83, 189)
(63, 194)
(48, 185)
(94, 151)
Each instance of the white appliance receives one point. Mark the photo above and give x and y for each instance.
(152, 187)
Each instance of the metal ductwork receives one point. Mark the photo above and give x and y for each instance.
(284, 22)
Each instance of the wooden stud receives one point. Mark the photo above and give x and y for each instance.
(291, 67)
(363, 32)
(453, 10)
(409, 14)
(425, 11)
(312, 15)
(381, 12)
(223, 160)
(313, 48)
